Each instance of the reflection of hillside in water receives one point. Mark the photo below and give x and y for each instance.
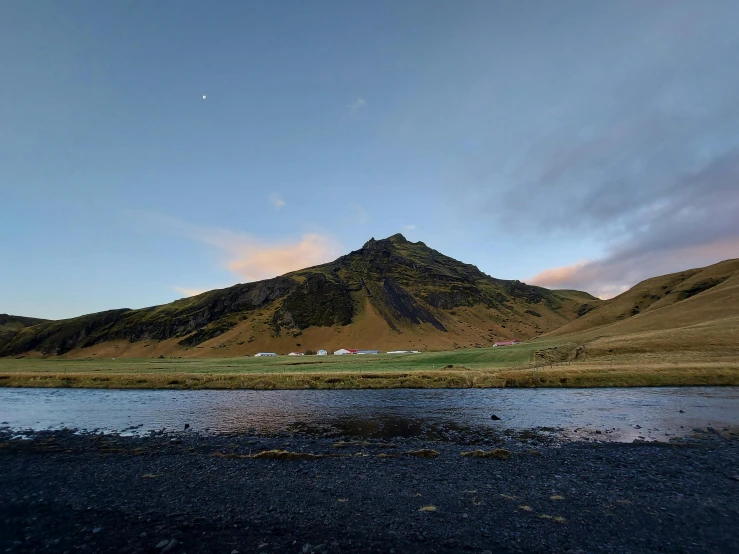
(369, 414)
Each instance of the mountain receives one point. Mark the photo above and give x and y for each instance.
(694, 311)
(389, 294)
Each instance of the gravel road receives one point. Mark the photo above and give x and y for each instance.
(67, 492)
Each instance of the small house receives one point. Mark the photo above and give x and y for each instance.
(295, 354)
(322, 353)
(507, 343)
(343, 351)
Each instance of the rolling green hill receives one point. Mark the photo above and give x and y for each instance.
(389, 294)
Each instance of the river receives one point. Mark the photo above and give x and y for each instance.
(585, 414)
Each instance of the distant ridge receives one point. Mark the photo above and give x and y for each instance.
(11, 324)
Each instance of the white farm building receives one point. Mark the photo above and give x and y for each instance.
(259, 354)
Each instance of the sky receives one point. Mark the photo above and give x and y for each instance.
(154, 150)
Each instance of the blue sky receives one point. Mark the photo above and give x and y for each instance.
(570, 144)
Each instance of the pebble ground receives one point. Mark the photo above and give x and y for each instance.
(67, 492)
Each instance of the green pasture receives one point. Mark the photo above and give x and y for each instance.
(473, 359)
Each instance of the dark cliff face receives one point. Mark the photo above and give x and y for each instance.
(208, 314)
(320, 301)
(406, 283)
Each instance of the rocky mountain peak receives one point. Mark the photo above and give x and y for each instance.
(395, 239)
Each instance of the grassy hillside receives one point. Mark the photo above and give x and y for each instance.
(390, 294)
(11, 324)
(691, 315)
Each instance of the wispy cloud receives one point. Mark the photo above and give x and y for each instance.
(186, 291)
(358, 104)
(409, 227)
(692, 224)
(621, 269)
(252, 258)
(277, 201)
(255, 259)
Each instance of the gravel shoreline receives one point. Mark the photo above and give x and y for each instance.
(67, 492)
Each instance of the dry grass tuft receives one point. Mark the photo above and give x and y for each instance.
(526, 508)
(423, 453)
(149, 476)
(271, 455)
(429, 508)
(384, 455)
(556, 497)
(285, 455)
(498, 453)
(507, 496)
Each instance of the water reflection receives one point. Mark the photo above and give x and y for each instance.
(610, 414)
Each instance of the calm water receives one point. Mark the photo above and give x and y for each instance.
(380, 413)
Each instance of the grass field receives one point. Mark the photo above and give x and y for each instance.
(536, 364)
(477, 358)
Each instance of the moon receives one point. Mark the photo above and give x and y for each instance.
(203, 96)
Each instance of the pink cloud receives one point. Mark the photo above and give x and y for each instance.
(556, 276)
(186, 291)
(618, 272)
(255, 260)
(252, 258)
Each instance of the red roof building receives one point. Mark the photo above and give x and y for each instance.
(507, 343)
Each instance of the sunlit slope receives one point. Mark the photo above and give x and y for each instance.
(390, 294)
(692, 313)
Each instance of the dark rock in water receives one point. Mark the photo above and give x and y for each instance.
(682, 411)
(494, 417)
(187, 425)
